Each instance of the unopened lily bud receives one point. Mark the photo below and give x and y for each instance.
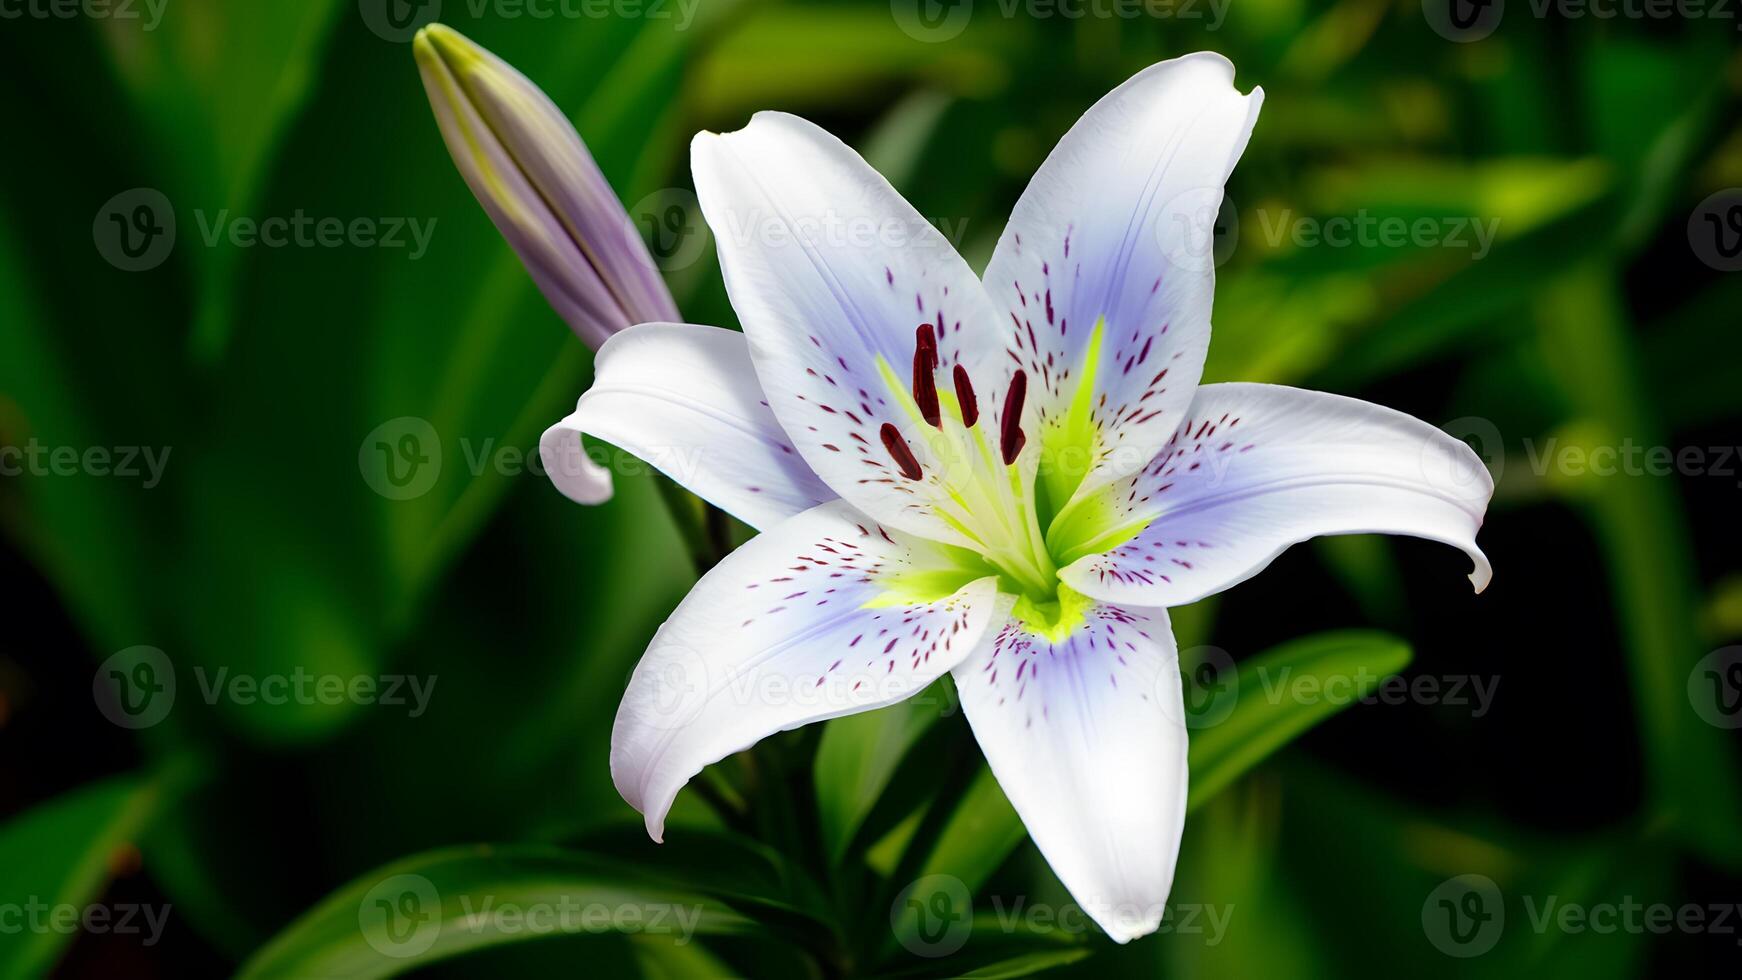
(533, 175)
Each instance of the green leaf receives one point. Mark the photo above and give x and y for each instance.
(218, 111)
(438, 905)
(786, 55)
(857, 756)
(1029, 963)
(452, 344)
(60, 854)
(983, 829)
(1400, 857)
(979, 835)
(1264, 718)
(87, 536)
(661, 960)
(1642, 528)
(1228, 862)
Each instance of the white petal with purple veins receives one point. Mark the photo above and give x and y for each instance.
(684, 398)
(831, 273)
(1256, 468)
(826, 614)
(1086, 734)
(1111, 231)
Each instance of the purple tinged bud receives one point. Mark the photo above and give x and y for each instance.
(535, 178)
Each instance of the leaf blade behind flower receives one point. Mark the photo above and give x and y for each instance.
(459, 900)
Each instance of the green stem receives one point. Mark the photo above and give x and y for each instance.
(688, 512)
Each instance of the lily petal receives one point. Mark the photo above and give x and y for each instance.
(1086, 734)
(684, 398)
(1102, 279)
(831, 273)
(1256, 468)
(827, 614)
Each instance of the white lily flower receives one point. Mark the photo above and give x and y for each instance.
(1008, 481)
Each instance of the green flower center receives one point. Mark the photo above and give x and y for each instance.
(1021, 522)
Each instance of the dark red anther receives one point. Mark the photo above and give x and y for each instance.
(925, 386)
(899, 452)
(926, 339)
(1010, 438)
(965, 396)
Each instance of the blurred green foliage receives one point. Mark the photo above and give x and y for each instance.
(1585, 144)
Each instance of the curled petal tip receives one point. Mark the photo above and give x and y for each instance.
(1483, 572)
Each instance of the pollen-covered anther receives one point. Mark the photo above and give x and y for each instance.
(900, 452)
(925, 365)
(1010, 437)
